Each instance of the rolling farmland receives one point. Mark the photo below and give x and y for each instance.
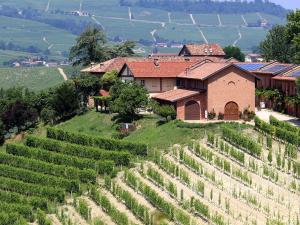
(129, 23)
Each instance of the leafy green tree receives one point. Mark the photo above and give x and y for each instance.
(277, 46)
(126, 99)
(87, 85)
(109, 79)
(235, 52)
(166, 111)
(65, 100)
(293, 33)
(90, 47)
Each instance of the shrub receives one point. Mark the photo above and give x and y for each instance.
(166, 111)
(42, 219)
(212, 115)
(105, 143)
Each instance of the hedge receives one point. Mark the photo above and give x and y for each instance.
(86, 175)
(53, 194)
(283, 125)
(21, 209)
(283, 134)
(38, 178)
(12, 218)
(34, 201)
(102, 167)
(240, 140)
(105, 143)
(119, 157)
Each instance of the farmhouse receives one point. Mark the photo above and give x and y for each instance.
(196, 89)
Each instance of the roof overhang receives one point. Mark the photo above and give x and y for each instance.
(176, 95)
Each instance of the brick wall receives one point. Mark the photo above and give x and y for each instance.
(231, 85)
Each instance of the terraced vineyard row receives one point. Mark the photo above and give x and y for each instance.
(220, 180)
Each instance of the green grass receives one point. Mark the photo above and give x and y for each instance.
(91, 123)
(148, 131)
(206, 19)
(36, 79)
(150, 14)
(235, 20)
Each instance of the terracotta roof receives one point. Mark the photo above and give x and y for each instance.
(118, 63)
(157, 69)
(175, 95)
(203, 50)
(204, 70)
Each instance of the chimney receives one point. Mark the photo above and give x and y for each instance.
(101, 65)
(211, 51)
(156, 62)
(205, 51)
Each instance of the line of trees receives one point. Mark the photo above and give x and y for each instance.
(205, 6)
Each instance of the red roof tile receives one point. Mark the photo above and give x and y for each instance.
(157, 69)
(175, 95)
(103, 93)
(203, 50)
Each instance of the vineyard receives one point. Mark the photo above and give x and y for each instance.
(246, 176)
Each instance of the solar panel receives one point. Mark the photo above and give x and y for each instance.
(295, 74)
(276, 68)
(251, 66)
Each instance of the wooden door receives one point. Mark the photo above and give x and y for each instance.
(192, 111)
(231, 111)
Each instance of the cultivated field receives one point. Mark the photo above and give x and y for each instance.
(117, 22)
(216, 174)
(35, 79)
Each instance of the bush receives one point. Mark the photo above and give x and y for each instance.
(212, 115)
(105, 143)
(165, 111)
(119, 157)
(42, 219)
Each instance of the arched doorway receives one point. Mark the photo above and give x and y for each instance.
(231, 111)
(192, 111)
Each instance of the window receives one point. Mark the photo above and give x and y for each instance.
(143, 83)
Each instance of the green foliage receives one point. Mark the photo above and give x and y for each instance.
(53, 194)
(119, 157)
(13, 197)
(83, 209)
(86, 175)
(165, 111)
(293, 30)
(109, 79)
(240, 140)
(102, 167)
(38, 178)
(42, 219)
(127, 99)
(284, 125)
(276, 45)
(234, 52)
(21, 209)
(12, 218)
(117, 216)
(105, 143)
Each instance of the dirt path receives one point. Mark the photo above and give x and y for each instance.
(74, 216)
(239, 38)
(121, 207)
(165, 195)
(260, 192)
(244, 20)
(53, 218)
(62, 73)
(189, 193)
(219, 19)
(97, 212)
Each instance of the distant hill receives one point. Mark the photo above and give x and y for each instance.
(204, 6)
(48, 28)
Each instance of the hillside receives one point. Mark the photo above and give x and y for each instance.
(49, 28)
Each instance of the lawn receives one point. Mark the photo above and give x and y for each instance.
(36, 79)
(148, 130)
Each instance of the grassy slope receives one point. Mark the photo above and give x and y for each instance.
(36, 79)
(160, 136)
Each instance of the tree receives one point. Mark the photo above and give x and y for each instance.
(126, 99)
(235, 52)
(90, 47)
(109, 79)
(87, 85)
(276, 46)
(293, 33)
(65, 100)
(166, 111)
